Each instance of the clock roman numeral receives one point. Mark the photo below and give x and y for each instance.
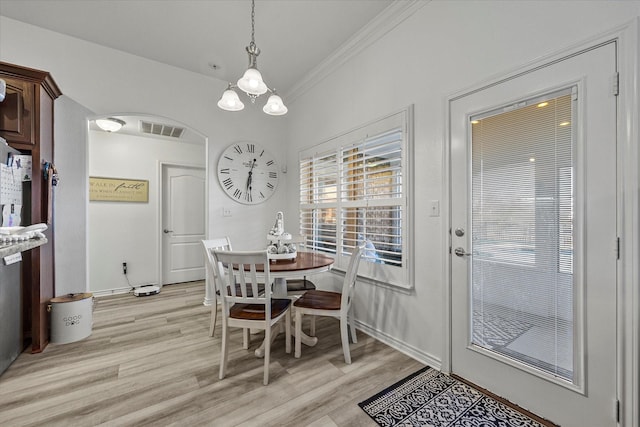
(225, 170)
(273, 174)
(237, 194)
(238, 149)
(228, 183)
(261, 153)
(270, 162)
(261, 195)
(247, 197)
(228, 158)
(270, 186)
(251, 148)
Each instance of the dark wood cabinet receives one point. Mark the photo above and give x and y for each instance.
(17, 123)
(26, 122)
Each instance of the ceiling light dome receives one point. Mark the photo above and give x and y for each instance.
(230, 101)
(275, 106)
(110, 124)
(252, 83)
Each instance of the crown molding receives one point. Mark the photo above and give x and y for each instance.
(392, 16)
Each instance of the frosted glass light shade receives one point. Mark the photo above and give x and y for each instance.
(275, 106)
(110, 124)
(252, 83)
(230, 101)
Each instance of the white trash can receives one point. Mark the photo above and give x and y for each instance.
(71, 317)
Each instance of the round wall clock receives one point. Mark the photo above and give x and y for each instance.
(248, 173)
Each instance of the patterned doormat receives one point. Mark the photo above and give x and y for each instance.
(430, 398)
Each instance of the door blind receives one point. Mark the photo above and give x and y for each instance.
(522, 232)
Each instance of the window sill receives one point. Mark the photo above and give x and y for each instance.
(397, 287)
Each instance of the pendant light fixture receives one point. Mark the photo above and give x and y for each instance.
(251, 82)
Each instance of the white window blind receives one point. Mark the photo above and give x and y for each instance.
(522, 232)
(353, 190)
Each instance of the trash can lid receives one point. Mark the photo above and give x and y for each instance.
(72, 297)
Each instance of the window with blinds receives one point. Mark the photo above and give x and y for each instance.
(353, 190)
(523, 232)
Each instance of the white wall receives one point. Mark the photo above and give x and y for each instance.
(445, 47)
(71, 196)
(108, 81)
(128, 232)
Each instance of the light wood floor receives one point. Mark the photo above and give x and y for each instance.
(151, 362)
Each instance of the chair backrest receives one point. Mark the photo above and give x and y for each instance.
(349, 284)
(299, 240)
(220, 243)
(247, 267)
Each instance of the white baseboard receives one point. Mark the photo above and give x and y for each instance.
(108, 292)
(402, 347)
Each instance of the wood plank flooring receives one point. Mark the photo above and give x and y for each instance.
(150, 362)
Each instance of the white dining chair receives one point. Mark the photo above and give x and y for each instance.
(220, 243)
(243, 306)
(334, 304)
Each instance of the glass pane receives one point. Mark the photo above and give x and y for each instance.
(372, 169)
(379, 227)
(522, 234)
(318, 179)
(319, 228)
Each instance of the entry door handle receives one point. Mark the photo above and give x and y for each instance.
(461, 252)
(167, 231)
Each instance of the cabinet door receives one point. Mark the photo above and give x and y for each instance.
(17, 121)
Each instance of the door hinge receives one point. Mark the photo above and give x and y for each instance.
(618, 248)
(616, 84)
(618, 411)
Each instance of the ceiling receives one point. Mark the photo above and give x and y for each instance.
(209, 37)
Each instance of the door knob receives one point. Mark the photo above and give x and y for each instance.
(460, 252)
(167, 231)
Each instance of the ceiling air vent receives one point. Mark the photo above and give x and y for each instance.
(160, 129)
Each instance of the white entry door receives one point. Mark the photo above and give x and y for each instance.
(534, 243)
(183, 217)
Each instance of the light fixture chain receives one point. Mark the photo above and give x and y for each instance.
(253, 22)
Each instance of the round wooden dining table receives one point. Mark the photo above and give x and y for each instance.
(304, 264)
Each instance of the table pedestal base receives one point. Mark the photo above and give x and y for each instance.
(280, 291)
(305, 339)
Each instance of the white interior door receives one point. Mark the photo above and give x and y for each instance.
(183, 218)
(533, 214)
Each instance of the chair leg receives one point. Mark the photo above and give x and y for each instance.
(287, 331)
(214, 315)
(246, 339)
(298, 343)
(352, 323)
(224, 353)
(344, 334)
(312, 328)
(267, 353)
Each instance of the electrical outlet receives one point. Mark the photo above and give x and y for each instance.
(124, 268)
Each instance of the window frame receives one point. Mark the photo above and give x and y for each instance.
(397, 277)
